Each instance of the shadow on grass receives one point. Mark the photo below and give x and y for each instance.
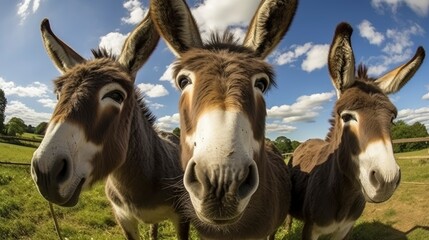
(362, 231)
(377, 230)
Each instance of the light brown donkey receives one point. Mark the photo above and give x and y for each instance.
(238, 187)
(101, 128)
(333, 178)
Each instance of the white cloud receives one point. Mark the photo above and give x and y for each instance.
(411, 116)
(24, 8)
(210, 14)
(153, 105)
(153, 90)
(420, 7)
(30, 116)
(317, 57)
(48, 102)
(398, 49)
(280, 128)
(368, 31)
(292, 55)
(400, 40)
(136, 11)
(426, 96)
(35, 89)
(156, 106)
(305, 109)
(168, 75)
(113, 42)
(168, 123)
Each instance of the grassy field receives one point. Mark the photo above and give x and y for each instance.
(24, 214)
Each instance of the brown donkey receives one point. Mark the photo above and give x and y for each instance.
(332, 179)
(238, 187)
(101, 128)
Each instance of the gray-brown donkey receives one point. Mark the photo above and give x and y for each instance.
(238, 186)
(332, 178)
(101, 128)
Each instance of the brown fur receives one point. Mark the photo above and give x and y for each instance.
(223, 71)
(325, 184)
(139, 162)
(224, 82)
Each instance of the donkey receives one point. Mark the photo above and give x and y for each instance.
(101, 128)
(333, 178)
(237, 186)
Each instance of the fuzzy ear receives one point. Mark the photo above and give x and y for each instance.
(60, 53)
(269, 24)
(394, 80)
(175, 23)
(341, 61)
(139, 45)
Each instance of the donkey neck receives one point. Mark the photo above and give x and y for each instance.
(149, 158)
(342, 167)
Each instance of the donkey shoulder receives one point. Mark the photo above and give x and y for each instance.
(309, 154)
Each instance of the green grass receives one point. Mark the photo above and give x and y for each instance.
(32, 136)
(15, 153)
(24, 214)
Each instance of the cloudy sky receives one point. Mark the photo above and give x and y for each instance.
(386, 34)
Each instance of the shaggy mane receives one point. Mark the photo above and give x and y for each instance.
(102, 52)
(147, 113)
(362, 73)
(225, 41)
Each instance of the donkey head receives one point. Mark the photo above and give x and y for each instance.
(364, 115)
(88, 133)
(222, 108)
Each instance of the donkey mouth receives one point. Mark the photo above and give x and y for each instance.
(74, 198)
(219, 221)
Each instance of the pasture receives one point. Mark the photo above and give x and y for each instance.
(24, 214)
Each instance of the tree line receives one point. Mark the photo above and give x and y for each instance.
(16, 127)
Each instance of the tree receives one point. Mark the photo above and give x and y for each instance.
(30, 129)
(402, 130)
(3, 102)
(295, 144)
(41, 128)
(176, 131)
(284, 144)
(15, 126)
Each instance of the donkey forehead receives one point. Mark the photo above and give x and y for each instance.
(223, 63)
(365, 96)
(94, 74)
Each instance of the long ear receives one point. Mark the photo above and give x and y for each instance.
(269, 24)
(60, 53)
(394, 80)
(176, 25)
(139, 45)
(341, 61)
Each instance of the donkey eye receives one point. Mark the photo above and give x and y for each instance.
(183, 81)
(262, 84)
(115, 95)
(347, 117)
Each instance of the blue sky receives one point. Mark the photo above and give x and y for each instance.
(386, 34)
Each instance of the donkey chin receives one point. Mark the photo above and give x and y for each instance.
(377, 191)
(65, 196)
(219, 213)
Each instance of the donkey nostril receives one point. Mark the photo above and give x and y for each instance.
(191, 181)
(62, 169)
(250, 183)
(399, 178)
(374, 178)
